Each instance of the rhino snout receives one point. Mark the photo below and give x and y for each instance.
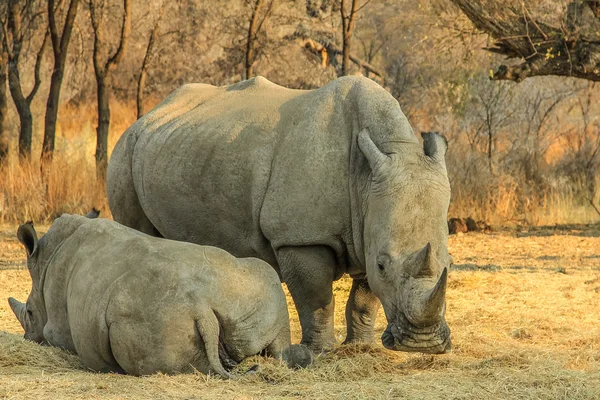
(407, 337)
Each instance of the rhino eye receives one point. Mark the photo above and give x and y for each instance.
(382, 262)
(29, 314)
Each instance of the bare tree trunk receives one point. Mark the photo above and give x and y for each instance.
(348, 21)
(102, 129)
(25, 117)
(252, 33)
(103, 80)
(141, 85)
(59, 46)
(3, 101)
(489, 149)
(13, 46)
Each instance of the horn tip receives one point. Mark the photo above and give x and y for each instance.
(443, 277)
(12, 302)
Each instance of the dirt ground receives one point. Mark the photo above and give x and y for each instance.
(524, 309)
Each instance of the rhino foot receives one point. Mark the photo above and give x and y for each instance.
(298, 356)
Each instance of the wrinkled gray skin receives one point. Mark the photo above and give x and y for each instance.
(131, 303)
(317, 183)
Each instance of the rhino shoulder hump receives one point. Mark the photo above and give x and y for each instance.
(257, 82)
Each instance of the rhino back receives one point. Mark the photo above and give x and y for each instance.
(119, 274)
(255, 166)
(212, 163)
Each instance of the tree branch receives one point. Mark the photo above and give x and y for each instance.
(124, 39)
(52, 9)
(68, 26)
(97, 28)
(36, 70)
(317, 47)
(573, 50)
(146, 63)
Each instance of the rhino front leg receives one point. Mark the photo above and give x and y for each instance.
(308, 272)
(361, 311)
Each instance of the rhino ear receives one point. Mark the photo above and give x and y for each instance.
(28, 236)
(435, 146)
(376, 158)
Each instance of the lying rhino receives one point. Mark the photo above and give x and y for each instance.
(317, 183)
(127, 302)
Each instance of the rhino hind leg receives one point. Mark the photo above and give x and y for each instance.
(308, 272)
(122, 197)
(126, 209)
(361, 312)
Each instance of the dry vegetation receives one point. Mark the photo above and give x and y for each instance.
(519, 154)
(523, 308)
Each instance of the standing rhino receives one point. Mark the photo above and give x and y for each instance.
(128, 302)
(317, 183)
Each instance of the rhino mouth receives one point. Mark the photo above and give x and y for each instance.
(32, 337)
(407, 337)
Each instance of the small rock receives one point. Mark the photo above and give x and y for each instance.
(471, 225)
(520, 333)
(457, 225)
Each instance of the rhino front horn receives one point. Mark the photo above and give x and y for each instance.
(434, 300)
(19, 309)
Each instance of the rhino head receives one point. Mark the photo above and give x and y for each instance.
(32, 314)
(405, 238)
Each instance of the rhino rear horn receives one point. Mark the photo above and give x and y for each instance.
(423, 260)
(435, 146)
(28, 237)
(19, 309)
(94, 213)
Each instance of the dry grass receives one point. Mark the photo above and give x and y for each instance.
(503, 204)
(71, 185)
(523, 308)
(68, 188)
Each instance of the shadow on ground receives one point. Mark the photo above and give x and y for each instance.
(508, 268)
(589, 230)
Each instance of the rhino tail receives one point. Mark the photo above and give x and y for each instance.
(208, 328)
